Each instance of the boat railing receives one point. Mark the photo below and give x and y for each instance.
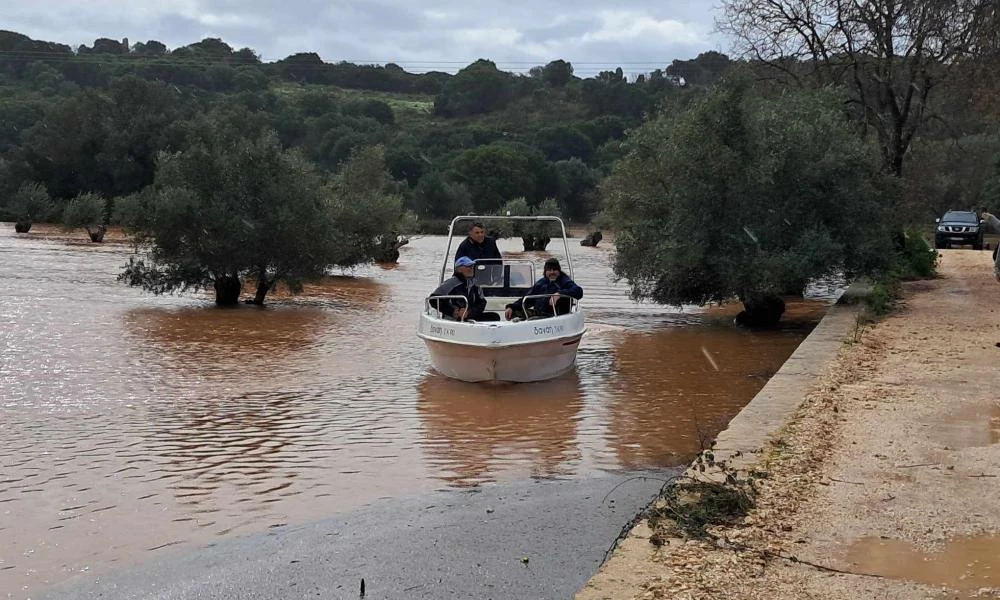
(574, 304)
(434, 307)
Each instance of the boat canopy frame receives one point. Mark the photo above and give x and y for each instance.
(451, 234)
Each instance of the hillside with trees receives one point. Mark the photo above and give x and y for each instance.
(94, 119)
(882, 115)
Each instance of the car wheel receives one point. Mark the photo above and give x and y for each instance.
(939, 244)
(977, 246)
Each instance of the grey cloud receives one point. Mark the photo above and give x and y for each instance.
(425, 35)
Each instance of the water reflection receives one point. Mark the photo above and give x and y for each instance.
(132, 422)
(673, 390)
(205, 335)
(474, 433)
(256, 442)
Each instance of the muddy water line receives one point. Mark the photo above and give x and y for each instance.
(966, 564)
(131, 424)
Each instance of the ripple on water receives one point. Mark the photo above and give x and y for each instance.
(132, 423)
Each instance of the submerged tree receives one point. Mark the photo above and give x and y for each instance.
(230, 208)
(30, 203)
(746, 197)
(87, 211)
(364, 196)
(535, 235)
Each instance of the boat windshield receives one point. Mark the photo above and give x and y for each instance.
(511, 278)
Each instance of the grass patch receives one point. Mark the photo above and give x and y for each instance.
(692, 504)
(915, 259)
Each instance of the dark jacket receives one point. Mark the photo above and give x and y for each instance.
(488, 249)
(541, 306)
(458, 285)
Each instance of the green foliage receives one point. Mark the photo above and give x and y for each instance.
(96, 120)
(375, 109)
(30, 203)
(692, 503)
(917, 259)
(535, 234)
(236, 207)
(366, 207)
(602, 129)
(563, 142)
(707, 68)
(742, 196)
(578, 196)
(314, 103)
(478, 88)
(438, 197)
(87, 211)
(557, 73)
(951, 176)
(882, 297)
(501, 171)
(914, 259)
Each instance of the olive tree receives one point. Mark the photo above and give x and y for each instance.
(748, 198)
(231, 208)
(535, 235)
(29, 203)
(87, 211)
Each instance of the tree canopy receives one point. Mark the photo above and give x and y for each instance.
(747, 197)
(229, 208)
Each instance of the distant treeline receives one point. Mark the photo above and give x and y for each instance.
(94, 119)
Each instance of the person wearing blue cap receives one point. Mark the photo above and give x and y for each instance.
(462, 284)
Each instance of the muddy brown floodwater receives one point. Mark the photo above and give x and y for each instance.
(131, 423)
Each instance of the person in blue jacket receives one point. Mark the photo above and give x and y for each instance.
(557, 285)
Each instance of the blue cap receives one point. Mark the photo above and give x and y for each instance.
(464, 261)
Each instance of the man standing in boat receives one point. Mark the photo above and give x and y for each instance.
(477, 245)
(556, 285)
(462, 284)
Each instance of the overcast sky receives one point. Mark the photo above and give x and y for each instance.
(419, 35)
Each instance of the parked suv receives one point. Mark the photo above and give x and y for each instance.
(959, 227)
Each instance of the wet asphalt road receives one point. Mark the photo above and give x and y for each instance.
(446, 544)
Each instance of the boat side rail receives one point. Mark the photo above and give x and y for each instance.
(430, 308)
(574, 303)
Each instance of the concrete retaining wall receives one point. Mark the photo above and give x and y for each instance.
(632, 562)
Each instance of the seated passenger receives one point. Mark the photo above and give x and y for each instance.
(462, 284)
(557, 285)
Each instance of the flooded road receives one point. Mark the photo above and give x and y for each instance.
(131, 424)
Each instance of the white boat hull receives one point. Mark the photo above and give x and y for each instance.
(512, 352)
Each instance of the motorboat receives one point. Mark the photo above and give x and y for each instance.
(525, 348)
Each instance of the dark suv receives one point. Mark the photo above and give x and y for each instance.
(959, 227)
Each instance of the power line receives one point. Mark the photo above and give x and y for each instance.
(234, 59)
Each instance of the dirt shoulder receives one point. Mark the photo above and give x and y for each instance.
(886, 478)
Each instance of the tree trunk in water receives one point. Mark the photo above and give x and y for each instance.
(22, 226)
(761, 310)
(387, 250)
(97, 235)
(532, 242)
(262, 287)
(592, 239)
(227, 290)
